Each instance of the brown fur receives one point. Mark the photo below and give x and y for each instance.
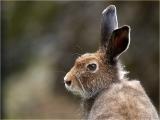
(106, 94)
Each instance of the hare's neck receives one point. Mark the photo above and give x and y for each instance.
(87, 105)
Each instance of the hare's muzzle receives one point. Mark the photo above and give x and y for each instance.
(67, 81)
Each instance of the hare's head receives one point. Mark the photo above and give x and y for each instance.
(94, 71)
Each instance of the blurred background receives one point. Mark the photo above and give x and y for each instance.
(41, 40)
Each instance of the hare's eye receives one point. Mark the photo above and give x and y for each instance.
(92, 66)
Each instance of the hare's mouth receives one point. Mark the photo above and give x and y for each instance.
(78, 90)
(74, 89)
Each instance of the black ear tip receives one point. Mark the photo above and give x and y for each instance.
(126, 27)
(109, 9)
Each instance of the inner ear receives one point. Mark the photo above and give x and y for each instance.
(119, 42)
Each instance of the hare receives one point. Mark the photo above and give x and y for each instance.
(98, 78)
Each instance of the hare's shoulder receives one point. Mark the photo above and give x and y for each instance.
(125, 88)
(120, 93)
(130, 86)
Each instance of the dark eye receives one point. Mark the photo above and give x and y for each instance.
(92, 66)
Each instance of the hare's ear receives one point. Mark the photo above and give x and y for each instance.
(119, 42)
(108, 24)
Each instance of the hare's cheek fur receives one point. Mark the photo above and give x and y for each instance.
(92, 82)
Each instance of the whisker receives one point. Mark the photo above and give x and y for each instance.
(79, 48)
(59, 71)
(76, 54)
(81, 86)
(62, 82)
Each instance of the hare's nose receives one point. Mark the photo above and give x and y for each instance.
(67, 81)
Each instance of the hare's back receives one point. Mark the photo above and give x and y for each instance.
(125, 100)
